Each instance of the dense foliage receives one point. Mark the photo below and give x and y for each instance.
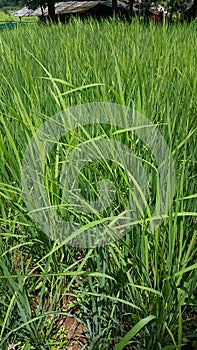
(8, 3)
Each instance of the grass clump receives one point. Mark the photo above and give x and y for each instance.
(111, 289)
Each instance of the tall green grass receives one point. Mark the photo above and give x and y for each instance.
(116, 288)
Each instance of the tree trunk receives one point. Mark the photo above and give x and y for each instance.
(51, 11)
(114, 7)
(171, 11)
(195, 9)
(130, 9)
(146, 13)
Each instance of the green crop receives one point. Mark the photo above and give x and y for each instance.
(114, 291)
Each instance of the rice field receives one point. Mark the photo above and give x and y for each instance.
(137, 291)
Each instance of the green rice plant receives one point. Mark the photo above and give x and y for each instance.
(111, 290)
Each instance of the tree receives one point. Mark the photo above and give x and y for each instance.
(5, 3)
(34, 4)
(195, 9)
(114, 7)
(130, 9)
